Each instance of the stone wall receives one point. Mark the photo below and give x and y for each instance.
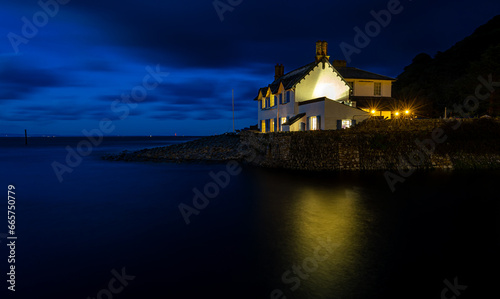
(383, 145)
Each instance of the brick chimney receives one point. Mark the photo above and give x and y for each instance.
(279, 71)
(339, 63)
(322, 50)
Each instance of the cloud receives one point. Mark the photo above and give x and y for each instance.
(93, 51)
(19, 80)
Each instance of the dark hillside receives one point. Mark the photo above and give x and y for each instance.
(450, 76)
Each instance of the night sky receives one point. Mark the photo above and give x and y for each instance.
(67, 70)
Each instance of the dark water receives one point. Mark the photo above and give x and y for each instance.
(345, 235)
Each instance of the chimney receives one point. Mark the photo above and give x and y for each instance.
(322, 50)
(339, 63)
(279, 71)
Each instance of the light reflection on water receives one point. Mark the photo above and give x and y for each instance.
(425, 232)
(114, 214)
(298, 218)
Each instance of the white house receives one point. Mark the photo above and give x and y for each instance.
(369, 91)
(316, 96)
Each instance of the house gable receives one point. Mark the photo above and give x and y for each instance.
(323, 80)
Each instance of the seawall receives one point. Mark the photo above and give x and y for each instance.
(382, 145)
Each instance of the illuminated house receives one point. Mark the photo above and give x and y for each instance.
(317, 96)
(369, 91)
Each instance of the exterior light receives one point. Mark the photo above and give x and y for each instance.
(407, 111)
(397, 113)
(373, 111)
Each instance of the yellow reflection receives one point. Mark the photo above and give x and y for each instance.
(323, 215)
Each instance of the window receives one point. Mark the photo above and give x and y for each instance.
(313, 123)
(288, 97)
(263, 126)
(271, 125)
(263, 103)
(271, 101)
(282, 121)
(377, 89)
(346, 123)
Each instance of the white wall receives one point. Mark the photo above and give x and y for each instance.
(365, 88)
(285, 110)
(330, 112)
(322, 83)
(336, 111)
(314, 109)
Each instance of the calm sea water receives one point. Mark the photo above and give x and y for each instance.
(305, 235)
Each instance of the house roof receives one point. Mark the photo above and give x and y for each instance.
(355, 73)
(292, 78)
(263, 90)
(322, 99)
(294, 119)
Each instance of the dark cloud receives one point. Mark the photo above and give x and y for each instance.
(98, 50)
(100, 66)
(174, 115)
(123, 100)
(17, 81)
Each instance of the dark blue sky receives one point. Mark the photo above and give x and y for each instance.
(69, 67)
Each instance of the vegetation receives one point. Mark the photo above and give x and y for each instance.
(451, 76)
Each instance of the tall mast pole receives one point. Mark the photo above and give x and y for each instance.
(233, 110)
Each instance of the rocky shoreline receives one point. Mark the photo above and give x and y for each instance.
(218, 148)
(393, 146)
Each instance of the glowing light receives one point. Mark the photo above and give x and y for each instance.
(397, 113)
(407, 111)
(373, 111)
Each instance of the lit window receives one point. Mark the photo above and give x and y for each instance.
(271, 126)
(263, 126)
(272, 101)
(283, 120)
(264, 103)
(346, 123)
(377, 89)
(313, 123)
